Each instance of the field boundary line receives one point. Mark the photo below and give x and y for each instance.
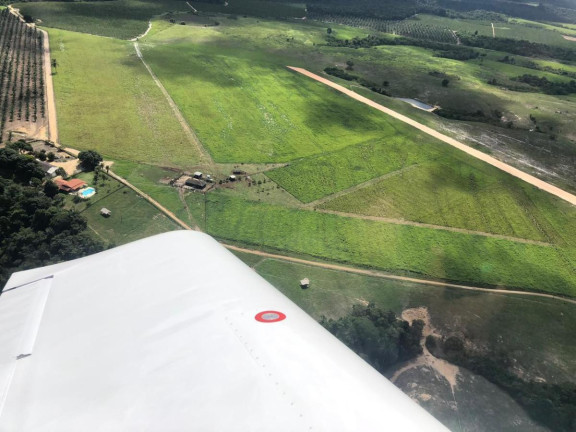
(540, 184)
(193, 138)
(432, 226)
(376, 273)
(359, 186)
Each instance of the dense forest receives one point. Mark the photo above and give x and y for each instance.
(379, 337)
(35, 229)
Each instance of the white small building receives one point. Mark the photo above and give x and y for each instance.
(305, 283)
(197, 175)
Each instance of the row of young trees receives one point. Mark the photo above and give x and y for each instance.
(21, 72)
(410, 28)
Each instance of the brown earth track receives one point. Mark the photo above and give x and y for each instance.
(540, 184)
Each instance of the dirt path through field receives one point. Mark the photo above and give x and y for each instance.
(438, 227)
(204, 155)
(460, 146)
(50, 96)
(150, 200)
(570, 38)
(376, 273)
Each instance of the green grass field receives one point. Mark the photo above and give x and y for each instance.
(247, 109)
(464, 195)
(396, 248)
(123, 19)
(315, 177)
(107, 101)
(133, 218)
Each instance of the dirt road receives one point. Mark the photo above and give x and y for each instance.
(460, 146)
(383, 275)
(150, 200)
(50, 97)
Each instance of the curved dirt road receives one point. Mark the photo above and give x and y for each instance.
(472, 152)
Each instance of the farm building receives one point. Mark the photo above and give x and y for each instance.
(196, 183)
(105, 212)
(232, 178)
(48, 169)
(305, 283)
(69, 185)
(197, 175)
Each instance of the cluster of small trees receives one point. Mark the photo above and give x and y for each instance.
(21, 72)
(379, 337)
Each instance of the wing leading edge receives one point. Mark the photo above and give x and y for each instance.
(175, 333)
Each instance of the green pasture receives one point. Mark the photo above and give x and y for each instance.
(246, 108)
(513, 29)
(400, 249)
(107, 101)
(315, 177)
(122, 19)
(132, 217)
(541, 342)
(463, 194)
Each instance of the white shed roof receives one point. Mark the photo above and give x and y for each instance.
(138, 339)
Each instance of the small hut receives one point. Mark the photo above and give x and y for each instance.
(305, 283)
(105, 212)
(198, 175)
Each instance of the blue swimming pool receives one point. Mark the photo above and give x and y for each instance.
(87, 193)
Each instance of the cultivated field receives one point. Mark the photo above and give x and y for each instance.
(107, 101)
(22, 101)
(464, 195)
(514, 29)
(396, 248)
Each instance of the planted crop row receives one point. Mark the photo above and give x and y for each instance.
(21, 72)
(408, 28)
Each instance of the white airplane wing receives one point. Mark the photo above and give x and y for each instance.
(174, 333)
